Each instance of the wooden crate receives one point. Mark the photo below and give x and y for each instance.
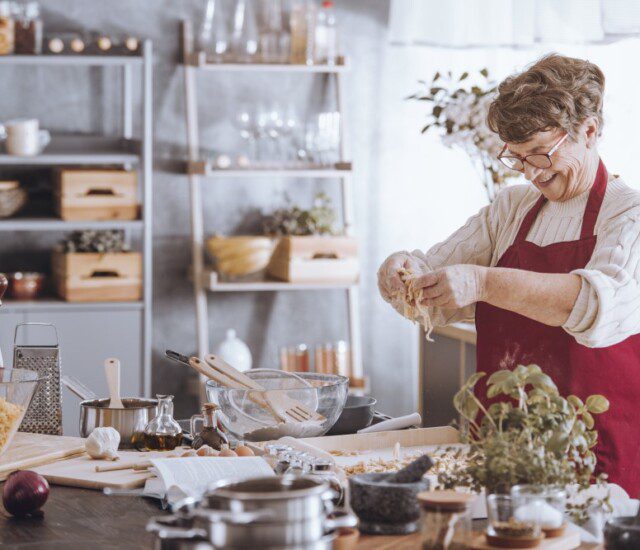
(315, 260)
(96, 194)
(89, 277)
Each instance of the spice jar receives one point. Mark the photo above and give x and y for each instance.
(28, 29)
(543, 504)
(162, 433)
(446, 520)
(7, 29)
(212, 432)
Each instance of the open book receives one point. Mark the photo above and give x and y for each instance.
(190, 476)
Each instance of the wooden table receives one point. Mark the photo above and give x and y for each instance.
(81, 519)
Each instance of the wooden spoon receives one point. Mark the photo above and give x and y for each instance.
(112, 372)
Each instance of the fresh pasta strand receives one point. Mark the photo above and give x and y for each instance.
(411, 300)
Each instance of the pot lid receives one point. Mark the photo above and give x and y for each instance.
(270, 488)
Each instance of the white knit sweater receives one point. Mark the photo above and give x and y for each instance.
(607, 310)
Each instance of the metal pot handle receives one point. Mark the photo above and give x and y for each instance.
(238, 518)
(168, 532)
(343, 520)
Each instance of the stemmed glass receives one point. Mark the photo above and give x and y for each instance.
(289, 130)
(245, 123)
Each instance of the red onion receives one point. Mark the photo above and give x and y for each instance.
(24, 492)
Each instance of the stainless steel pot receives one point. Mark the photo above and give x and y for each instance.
(129, 422)
(283, 512)
(294, 511)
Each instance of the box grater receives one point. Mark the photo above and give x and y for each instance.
(44, 415)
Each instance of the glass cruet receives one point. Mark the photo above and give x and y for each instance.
(163, 433)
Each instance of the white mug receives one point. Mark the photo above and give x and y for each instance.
(23, 137)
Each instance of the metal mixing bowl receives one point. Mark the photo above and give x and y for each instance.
(247, 420)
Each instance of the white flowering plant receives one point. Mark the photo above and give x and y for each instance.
(458, 113)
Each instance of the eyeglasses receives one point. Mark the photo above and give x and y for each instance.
(537, 160)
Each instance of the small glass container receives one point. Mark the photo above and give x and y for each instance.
(275, 449)
(295, 358)
(503, 522)
(162, 433)
(212, 432)
(28, 29)
(322, 469)
(446, 520)
(7, 28)
(543, 503)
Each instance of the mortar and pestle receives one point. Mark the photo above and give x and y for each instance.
(387, 503)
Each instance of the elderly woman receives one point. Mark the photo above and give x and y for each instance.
(550, 271)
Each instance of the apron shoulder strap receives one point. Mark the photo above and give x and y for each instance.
(596, 196)
(594, 203)
(529, 219)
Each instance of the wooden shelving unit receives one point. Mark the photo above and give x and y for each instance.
(204, 280)
(95, 150)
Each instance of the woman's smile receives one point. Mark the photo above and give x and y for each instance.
(545, 181)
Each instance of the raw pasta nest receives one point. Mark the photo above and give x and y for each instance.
(411, 301)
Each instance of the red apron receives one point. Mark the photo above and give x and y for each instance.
(507, 339)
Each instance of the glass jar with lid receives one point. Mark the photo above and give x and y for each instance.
(28, 29)
(7, 28)
(446, 520)
(544, 504)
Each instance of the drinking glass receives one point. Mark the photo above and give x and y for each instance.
(244, 37)
(544, 503)
(503, 521)
(245, 123)
(213, 36)
(272, 33)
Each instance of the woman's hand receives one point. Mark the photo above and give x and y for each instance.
(389, 281)
(453, 287)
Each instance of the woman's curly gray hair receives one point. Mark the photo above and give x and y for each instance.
(555, 92)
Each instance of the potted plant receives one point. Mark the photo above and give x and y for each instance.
(531, 435)
(309, 249)
(97, 266)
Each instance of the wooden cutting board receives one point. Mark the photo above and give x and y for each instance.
(80, 471)
(28, 450)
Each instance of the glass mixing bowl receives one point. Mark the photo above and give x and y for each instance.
(17, 387)
(248, 419)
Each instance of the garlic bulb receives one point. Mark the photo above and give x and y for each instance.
(103, 443)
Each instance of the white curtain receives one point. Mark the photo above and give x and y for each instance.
(511, 23)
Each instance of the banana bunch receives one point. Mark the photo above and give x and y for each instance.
(238, 256)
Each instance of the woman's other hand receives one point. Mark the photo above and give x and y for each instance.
(453, 287)
(389, 281)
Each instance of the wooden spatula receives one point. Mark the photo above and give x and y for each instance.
(112, 372)
(207, 371)
(289, 409)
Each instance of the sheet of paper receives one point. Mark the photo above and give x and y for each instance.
(193, 475)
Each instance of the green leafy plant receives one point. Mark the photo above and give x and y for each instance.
(458, 111)
(531, 435)
(317, 220)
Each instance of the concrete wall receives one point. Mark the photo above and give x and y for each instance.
(85, 100)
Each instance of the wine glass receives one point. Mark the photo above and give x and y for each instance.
(245, 123)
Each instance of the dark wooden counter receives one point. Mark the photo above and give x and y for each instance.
(81, 519)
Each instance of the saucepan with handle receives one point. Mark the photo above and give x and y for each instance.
(128, 415)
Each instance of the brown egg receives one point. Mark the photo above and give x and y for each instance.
(205, 450)
(190, 452)
(225, 451)
(243, 450)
